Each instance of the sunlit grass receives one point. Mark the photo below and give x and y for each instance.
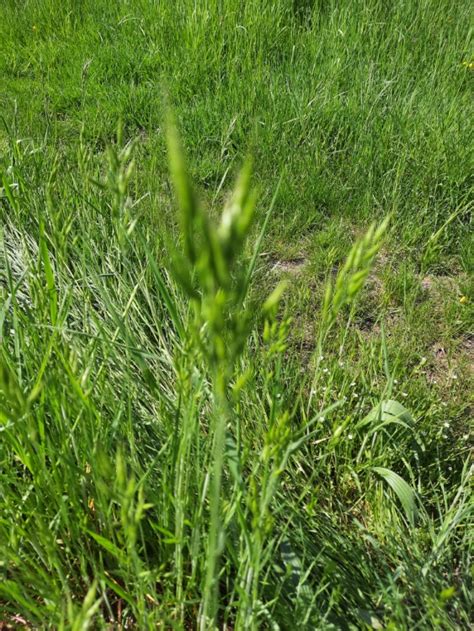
(196, 431)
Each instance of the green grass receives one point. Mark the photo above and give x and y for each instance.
(231, 401)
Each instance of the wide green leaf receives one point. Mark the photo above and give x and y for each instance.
(403, 490)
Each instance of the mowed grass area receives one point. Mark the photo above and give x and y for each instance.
(185, 441)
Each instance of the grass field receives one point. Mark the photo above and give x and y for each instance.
(236, 315)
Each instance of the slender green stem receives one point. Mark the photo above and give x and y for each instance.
(220, 417)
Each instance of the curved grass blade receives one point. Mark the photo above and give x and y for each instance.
(402, 489)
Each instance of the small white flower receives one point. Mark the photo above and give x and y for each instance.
(350, 436)
(322, 419)
(465, 437)
(341, 364)
(404, 394)
(455, 376)
(395, 381)
(321, 357)
(353, 384)
(446, 424)
(355, 395)
(325, 370)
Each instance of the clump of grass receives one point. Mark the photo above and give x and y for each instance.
(185, 442)
(161, 465)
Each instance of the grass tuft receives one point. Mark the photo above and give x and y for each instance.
(196, 432)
